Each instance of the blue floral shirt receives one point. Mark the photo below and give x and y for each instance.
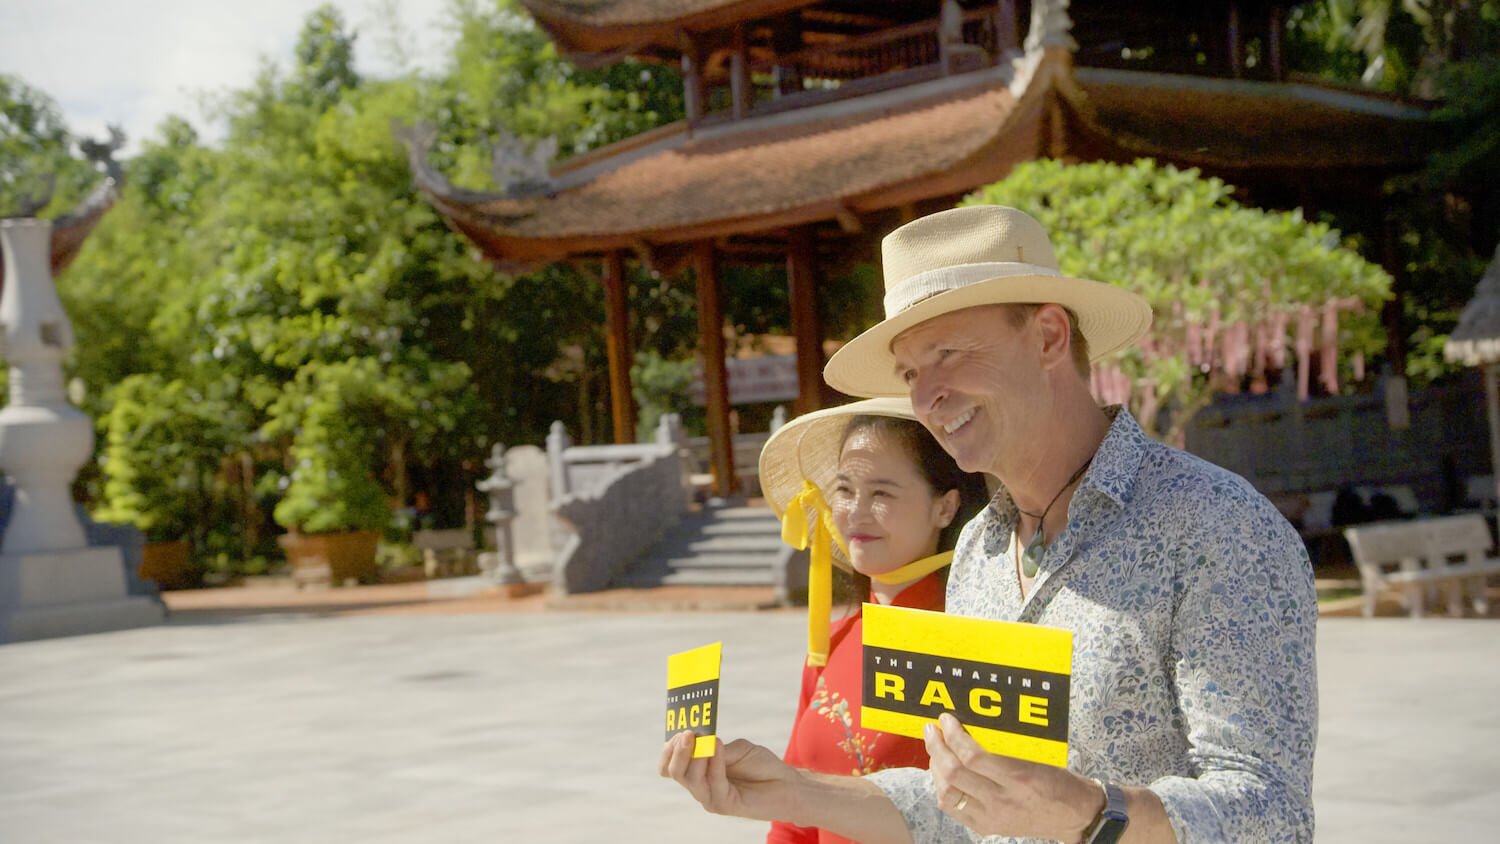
(1193, 613)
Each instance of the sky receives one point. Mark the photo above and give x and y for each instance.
(133, 62)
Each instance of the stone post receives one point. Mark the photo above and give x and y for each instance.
(51, 582)
(669, 432)
(558, 442)
(1050, 26)
(44, 441)
(500, 565)
(778, 418)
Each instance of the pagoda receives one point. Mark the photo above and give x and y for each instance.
(814, 127)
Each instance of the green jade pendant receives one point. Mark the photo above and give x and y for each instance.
(1031, 558)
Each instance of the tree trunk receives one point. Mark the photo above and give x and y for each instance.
(400, 481)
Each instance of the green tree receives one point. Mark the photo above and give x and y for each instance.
(1206, 264)
(1394, 45)
(1445, 218)
(37, 153)
(126, 292)
(293, 279)
(163, 445)
(506, 81)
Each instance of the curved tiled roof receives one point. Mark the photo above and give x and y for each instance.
(921, 142)
(781, 170)
(737, 177)
(1240, 124)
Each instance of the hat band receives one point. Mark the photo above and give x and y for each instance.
(928, 284)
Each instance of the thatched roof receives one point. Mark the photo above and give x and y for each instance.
(1476, 340)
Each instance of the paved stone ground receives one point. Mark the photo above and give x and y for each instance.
(294, 726)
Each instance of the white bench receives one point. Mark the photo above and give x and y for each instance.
(1417, 558)
(446, 553)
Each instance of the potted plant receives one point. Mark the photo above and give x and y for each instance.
(332, 507)
(162, 444)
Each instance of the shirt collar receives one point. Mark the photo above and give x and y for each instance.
(1118, 460)
(1113, 470)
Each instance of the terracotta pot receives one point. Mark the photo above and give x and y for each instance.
(331, 558)
(169, 563)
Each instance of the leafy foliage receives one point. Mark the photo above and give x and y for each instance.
(164, 442)
(330, 413)
(1393, 45)
(1446, 217)
(661, 387)
(295, 275)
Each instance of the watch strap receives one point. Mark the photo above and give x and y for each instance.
(1110, 824)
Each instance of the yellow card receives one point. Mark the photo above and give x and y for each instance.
(1006, 682)
(693, 695)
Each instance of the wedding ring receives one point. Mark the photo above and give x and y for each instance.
(962, 802)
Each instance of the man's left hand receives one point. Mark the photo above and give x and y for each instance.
(997, 795)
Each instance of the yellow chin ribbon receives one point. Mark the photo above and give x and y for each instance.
(817, 538)
(914, 571)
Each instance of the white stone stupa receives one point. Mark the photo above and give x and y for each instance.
(52, 582)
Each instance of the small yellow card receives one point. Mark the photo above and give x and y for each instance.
(693, 695)
(1006, 682)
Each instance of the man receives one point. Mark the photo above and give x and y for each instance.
(1193, 709)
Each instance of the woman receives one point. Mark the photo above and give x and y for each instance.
(866, 487)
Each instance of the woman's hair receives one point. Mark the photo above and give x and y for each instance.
(935, 465)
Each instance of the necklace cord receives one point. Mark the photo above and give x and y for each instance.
(1031, 560)
(1042, 519)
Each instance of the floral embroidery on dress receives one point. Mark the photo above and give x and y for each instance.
(858, 745)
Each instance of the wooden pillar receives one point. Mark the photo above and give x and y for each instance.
(786, 74)
(715, 376)
(802, 291)
(621, 398)
(1491, 374)
(1007, 36)
(1236, 48)
(740, 93)
(692, 82)
(1055, 137)
(1393, 312)
(1276, 65)
(950, 33)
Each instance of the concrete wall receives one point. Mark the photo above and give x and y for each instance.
(1286, 447)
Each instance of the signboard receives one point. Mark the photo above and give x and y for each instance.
(751, 380)
(1007, 683)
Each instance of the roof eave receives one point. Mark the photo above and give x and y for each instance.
(595, 43)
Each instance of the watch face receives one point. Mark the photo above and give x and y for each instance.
(1111, 827)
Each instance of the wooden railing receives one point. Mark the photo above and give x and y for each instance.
(887, 51)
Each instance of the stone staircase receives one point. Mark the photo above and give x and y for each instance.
(725, 544)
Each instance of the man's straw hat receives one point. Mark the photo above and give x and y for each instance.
(807, 449)
(972, 256)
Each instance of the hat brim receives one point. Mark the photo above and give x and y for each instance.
(807, 449)
(1110, 318)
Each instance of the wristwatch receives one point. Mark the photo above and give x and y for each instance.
(1112, 820)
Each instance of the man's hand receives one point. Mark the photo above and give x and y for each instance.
(741, 779)
(997, 795)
